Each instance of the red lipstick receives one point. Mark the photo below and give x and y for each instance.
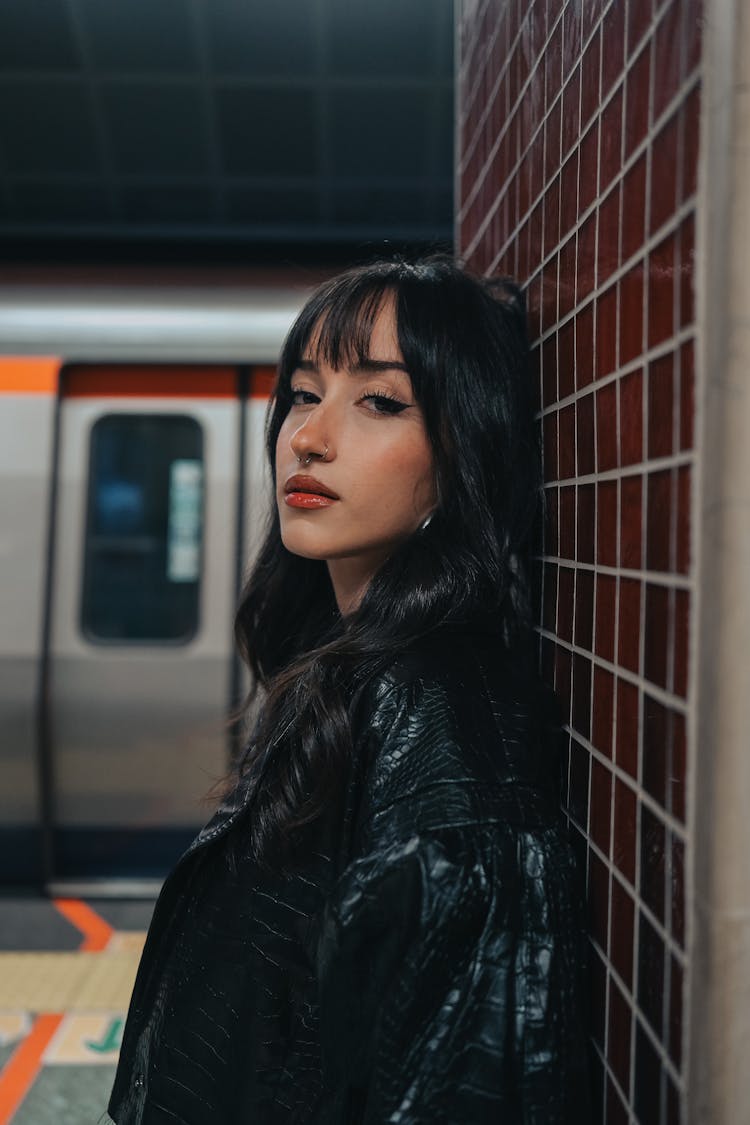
(302, 491)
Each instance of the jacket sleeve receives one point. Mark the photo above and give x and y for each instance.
(450, 982)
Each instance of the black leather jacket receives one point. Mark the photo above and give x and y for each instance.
(426, 962)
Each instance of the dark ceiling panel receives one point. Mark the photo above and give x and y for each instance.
(139, 35)
(255, 123)
(256, 205)
(167, 203)
(389, 38)
(36, 36)
(47, 127)
(268, 132)
(156, 129)
(62, 202)
(381, 132)
(261, 37)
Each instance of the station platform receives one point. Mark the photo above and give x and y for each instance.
(67, 967)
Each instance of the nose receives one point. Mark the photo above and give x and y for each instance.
(310, 439)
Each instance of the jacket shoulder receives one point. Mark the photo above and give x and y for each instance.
(454, 734)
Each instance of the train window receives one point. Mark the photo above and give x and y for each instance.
(144, 529)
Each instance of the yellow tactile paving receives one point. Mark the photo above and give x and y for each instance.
(62, 982)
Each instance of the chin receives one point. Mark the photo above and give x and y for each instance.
(298, 542)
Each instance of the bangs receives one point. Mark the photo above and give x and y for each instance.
(337, 328)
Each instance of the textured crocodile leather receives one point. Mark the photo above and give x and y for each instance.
(424, 964)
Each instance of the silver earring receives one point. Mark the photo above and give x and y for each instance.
(426, 522)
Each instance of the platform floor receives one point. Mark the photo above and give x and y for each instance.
(67, 968)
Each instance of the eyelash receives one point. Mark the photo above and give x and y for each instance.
(393, 405)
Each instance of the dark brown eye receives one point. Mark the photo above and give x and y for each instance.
(385, 404)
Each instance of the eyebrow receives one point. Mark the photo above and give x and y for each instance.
(365, 368)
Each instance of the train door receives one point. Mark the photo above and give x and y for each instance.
(142, 600)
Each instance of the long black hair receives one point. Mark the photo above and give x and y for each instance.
(463, 340)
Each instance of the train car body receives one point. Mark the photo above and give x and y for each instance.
(133, 493)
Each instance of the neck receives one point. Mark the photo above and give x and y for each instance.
(350, 579)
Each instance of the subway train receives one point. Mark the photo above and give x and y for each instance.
(133, 490)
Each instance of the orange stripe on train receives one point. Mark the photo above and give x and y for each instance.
(20, 374)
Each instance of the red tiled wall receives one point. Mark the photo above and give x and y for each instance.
(578, 148)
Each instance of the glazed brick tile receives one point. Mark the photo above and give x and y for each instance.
(610, 155)
(626, 736)
(616, 1111)
(584, 418)
(647, 1077)
(613, 46)
(565, 587)
(656, 748)
(631, 522)
(680, 642)
(666, 46)
(677, 777)
(606, 427)
(569, 192)
(588, 180)
(584, 608)
(677, 887)
(661, 289)
(624, 848)
(549, 597)
(585, 523)
(605, 615)
(618, 1040)
(566, 359)
(664, 168)
(608, 248)
(686, 314)
(690, 114)
(606, 523)
(606, 332)
(661, 404)
(549, 370)
(659, 519)
(630, 388)
(600, 807)
(652, 861)
(584, 336)
(674, 1041)
(656, 634)
(629, 615)
(631, 313)
(640, 13)
(637, 93)
(567, 447)
(578, 797)
(586, 258)
(567, 523)
(651, 966)
(571, 110)
(581, 695)
(603, 713)
(623, 907)
(566, 284)
(598, 899)
(590, 74)
(549, 446)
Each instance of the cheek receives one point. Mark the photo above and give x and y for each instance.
(404, 472)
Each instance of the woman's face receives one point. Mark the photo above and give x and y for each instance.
(375, 484)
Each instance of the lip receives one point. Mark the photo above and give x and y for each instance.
(302, 491)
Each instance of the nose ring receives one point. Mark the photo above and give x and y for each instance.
(309, 457)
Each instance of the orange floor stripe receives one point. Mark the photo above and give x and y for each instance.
(96, 932)
(22, 1067)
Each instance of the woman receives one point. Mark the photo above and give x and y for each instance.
(382, 922)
